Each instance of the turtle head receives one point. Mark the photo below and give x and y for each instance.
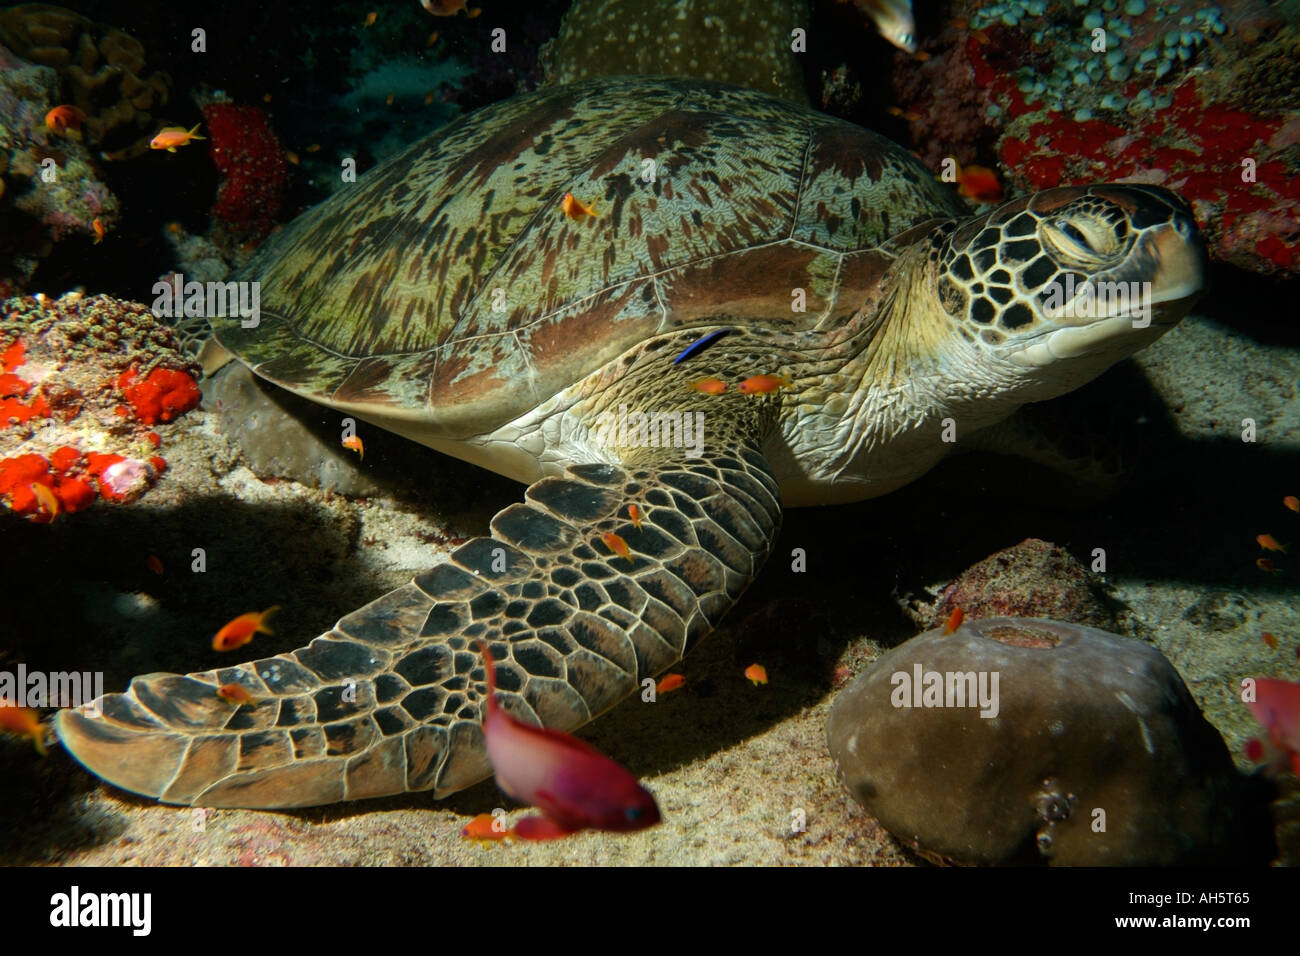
(1058, 286)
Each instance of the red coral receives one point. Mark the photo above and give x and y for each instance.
(160, 397)
(12, 357)
(246, 151)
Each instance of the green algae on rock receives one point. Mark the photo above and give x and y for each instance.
(748, 43)
(1016, 740)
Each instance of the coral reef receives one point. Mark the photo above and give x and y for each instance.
(1179, 97)
(1074, 747)
(103, 71)
(50, 189)
(246, 151)
(84, 382)
(711, 39)
(1031, 579)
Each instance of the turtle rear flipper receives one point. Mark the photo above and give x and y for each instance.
(390, 699)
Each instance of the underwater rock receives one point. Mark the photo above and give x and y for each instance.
(1031, 579)
(1075, 747)
(284, 436)
(708, 39)
(85, 382)
(103, 70)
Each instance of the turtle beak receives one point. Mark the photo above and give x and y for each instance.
(1176, 258)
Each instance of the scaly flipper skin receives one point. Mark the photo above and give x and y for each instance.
(574, 628)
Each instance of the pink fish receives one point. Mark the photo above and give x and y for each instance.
(574, 785)
(1277, 708)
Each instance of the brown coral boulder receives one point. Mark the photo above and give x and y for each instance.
(1028, 740)
(1031, 579)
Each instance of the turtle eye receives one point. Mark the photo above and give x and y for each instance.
(1072, 232)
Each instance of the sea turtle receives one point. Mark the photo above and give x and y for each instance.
(454, 297)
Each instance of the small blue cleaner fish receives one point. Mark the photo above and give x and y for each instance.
(699, 344)
(894, 20)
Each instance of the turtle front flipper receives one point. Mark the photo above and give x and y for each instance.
(390, 700)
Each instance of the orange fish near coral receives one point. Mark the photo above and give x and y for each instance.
(1269, 543)
(757, 673)
(153, 564)
(49, 503)
(234, 694)
(978, 183)
(576, 209)
(24, 722)
(669, 682)
(172, 136)
(1264, 564)
(63, 118)
(241, 630)
(710, 386)
(763, 384)
(953, 622)
(484, 828)
(901, 113)
(616, 544)
(371, 17)
(354, 443)
(634, 513)
(1292, 502)
(1270, 640)
(99, 231)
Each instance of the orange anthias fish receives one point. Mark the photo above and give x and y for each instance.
(574, 785)
(49, 503)
(710, 386)
(153, 564)
(24, 722)
(235, 693)
(576, 209)
(1270, 640)
(763, 384)
(634, 513)
(99, 231)
(63, 118)
(1264, 564)
(484, 829)
(1269, 543)
(1292, 502)
(757, 673)
(979, 183)
(241, 630)
(371, 17)
(669, 682)
(953, 622)
(616, 544)
(1277, 708)
(172, 136)
(354, 443)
